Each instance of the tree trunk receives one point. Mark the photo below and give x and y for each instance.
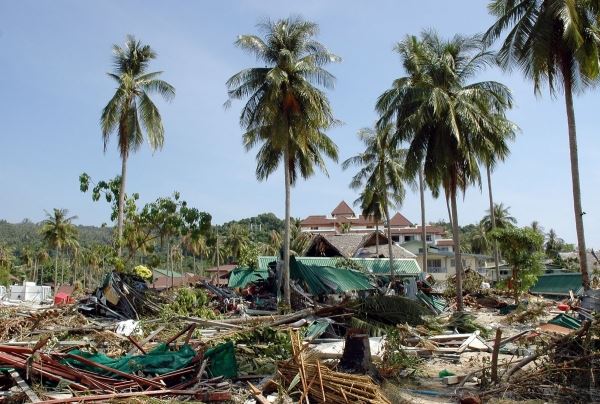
(457, 256)
(576, 185)
(389, 234)
(377, 238)
(56, 271)
(286, 238)
(448, 207)
(218, 252)
(121, 204)
(493, 218)
(423, 225)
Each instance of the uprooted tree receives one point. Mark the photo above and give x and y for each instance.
(522, 250)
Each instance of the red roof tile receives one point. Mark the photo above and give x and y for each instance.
(445, 242)
(399, 221)
(417, 230)
(342, 210)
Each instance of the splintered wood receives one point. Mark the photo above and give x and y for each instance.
(321, 384)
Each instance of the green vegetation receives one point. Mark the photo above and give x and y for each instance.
(450, 123)
(286, 114)
(380, 178)
(131, 109)
(188, 302)
(553, 42)
(522, 250)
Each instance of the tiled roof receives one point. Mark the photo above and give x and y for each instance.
(402, 266)
(222, 268)
(417, 230)
(444, 242)
(399, 221)
(342, 209)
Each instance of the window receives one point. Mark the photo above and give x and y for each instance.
(396, 239)
(370, 227)
(408, 238)
(435, 266)
(444, 249)
(435, 270)
(314, 227)
(437, 263)
(428, 237)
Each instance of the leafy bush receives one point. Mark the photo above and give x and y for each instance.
(189, 302)
(143, 272)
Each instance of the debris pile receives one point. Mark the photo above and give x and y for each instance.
(346, 338)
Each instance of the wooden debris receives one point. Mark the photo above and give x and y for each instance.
(322, 384)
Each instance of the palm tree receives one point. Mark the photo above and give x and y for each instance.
(449, 123)
(553, 42)
(237, 238)
(498, 217)
(381, 177)
(554, 244)
(480, 242)
(286, 114)
(58, 231)
(130, 111)
(196, 245)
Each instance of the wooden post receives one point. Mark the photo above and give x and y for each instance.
(495, 355)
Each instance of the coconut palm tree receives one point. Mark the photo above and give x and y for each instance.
(380, 176)
(58, 232)
(286, 115)
(449, 122)
(236, 239)
(498, 217)
(480, 241)
(554, 244)
(553, 42)
(131, 112)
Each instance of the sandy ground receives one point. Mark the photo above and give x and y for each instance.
(427, 379)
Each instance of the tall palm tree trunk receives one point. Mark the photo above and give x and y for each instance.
(457, 256)
(493, 218)
(423, 228)
(56, 270)
(377, 238)
(576, 185)
(286, 237)
(121, 204)
(389, 235)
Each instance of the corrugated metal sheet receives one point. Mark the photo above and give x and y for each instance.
(326, 280)
(402, 266)
(558, 284)
(240, 277)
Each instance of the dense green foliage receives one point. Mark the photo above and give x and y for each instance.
(286, 114)
(522, 250)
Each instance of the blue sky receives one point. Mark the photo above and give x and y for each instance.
(53, 59)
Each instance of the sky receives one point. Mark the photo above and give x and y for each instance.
(53, 86)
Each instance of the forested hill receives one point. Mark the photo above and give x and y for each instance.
(26, 233)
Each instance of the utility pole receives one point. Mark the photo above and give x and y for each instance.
(218, 258)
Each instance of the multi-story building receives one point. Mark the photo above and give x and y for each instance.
(343, 220)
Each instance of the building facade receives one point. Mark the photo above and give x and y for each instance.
(344, 220)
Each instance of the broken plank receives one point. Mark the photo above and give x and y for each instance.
(24, 387)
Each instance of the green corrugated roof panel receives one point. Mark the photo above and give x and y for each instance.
(326, 280)
(402, 266)
(165, 272)
(240, 277)
(558, 284)
(566, 321)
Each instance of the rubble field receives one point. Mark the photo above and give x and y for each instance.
(124, 342)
